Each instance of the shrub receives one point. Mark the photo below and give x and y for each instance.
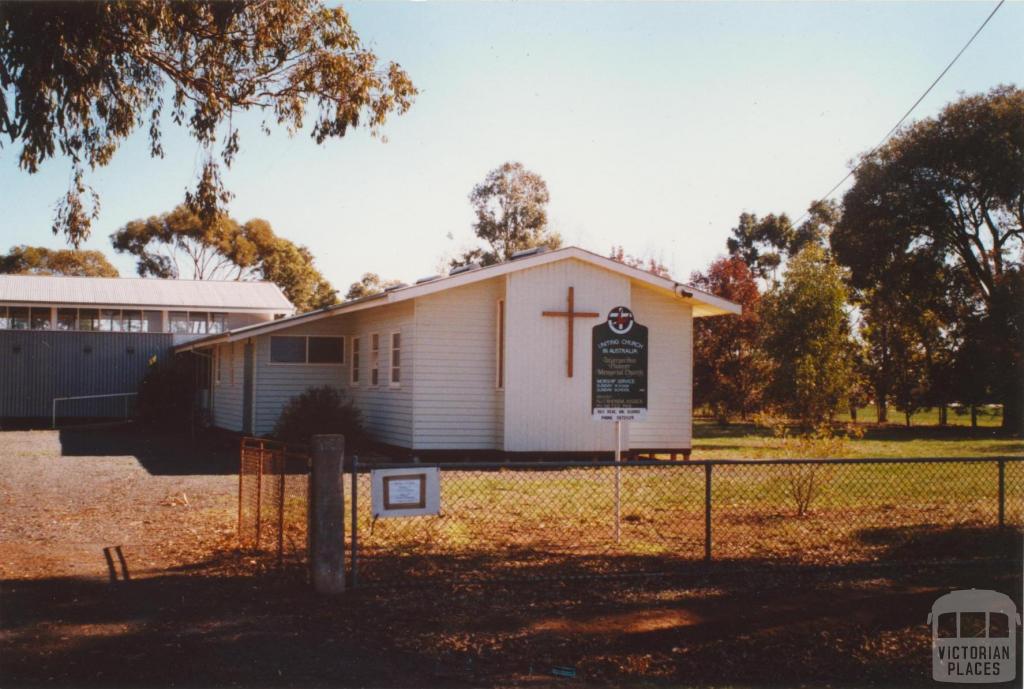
(167, 393)
(319, 410)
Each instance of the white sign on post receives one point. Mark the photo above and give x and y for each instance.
(405, 492)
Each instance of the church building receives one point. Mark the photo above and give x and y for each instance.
(493, 360)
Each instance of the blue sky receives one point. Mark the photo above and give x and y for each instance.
(655, 126)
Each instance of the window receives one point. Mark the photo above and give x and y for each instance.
(197, 322)
(152, 321)
(19, 317)
(301, 349)
(178, 321)
(374, 359)
(946, 627)
(355, 360)
(110, 320)
(500, 349)
(218, 322)
(998, 625)
(972, 625)
(396, 359)
(67, 319)
(41, 318)
(326, 350)
(131, 321)
(88, 319)
(5, 322)
(288, 350)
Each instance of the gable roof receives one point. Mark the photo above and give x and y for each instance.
(703, 303)
(230, 295)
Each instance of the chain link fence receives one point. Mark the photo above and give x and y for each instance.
(543, 520)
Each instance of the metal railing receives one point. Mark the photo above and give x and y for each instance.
(125, 395)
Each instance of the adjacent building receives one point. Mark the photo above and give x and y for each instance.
(86, 337)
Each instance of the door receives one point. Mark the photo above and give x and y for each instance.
(247, 388)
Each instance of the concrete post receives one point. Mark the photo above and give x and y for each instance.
(327, 514)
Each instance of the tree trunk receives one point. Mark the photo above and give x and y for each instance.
(974, 416)
(853, 413)
(907, 415)
(883, 410)
(943, 415)
(1013, 407)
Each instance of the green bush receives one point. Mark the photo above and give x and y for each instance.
(319, 410)
(167, 393)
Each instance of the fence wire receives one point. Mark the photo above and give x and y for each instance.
(272, 484)
(541, 521)
(558, 520)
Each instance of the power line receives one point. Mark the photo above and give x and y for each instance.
(912, 107)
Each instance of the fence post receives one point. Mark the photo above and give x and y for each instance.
(707, 512)
(355, 521)
(280, 504)
(1002, 493)
(327, 556)
(259, 496)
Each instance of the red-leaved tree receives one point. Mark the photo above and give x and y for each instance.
(730, 368)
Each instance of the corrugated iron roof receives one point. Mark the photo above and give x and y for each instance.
(203, 294)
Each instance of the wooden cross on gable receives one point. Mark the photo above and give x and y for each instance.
(571, 315)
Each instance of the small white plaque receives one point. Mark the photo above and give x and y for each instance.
(405, 492)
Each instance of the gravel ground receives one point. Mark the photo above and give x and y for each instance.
(67, 495)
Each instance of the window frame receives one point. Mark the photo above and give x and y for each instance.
(353, 375)
(499, 349)
(306, 361)
(392, 383)
(374, 380)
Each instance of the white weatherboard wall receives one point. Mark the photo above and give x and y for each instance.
(386, 409)
(670, 371)
(545, 411)
(227, 394)
(457, 403)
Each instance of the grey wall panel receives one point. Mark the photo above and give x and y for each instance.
(37, 366)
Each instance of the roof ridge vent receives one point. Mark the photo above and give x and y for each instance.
(400, 285)
(535, 251)
(429, 278)
(465, 269)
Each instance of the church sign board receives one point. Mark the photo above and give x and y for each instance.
(619, 361)
(405, 492)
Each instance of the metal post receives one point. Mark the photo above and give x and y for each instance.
(327, 559)
(618, 480)
(355, 521)
(707, 512)
(241, 478)
(259, 495)
(280, 506)
(1002, 493)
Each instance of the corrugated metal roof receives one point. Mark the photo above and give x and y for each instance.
(205, 294)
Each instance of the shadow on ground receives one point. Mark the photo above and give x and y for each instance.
(228, 621)
(160, 453)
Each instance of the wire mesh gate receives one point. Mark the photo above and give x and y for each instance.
(272, 484)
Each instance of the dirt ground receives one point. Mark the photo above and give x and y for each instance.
(194, 612)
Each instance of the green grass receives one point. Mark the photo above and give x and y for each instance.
(746, 441)
(989, 416)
